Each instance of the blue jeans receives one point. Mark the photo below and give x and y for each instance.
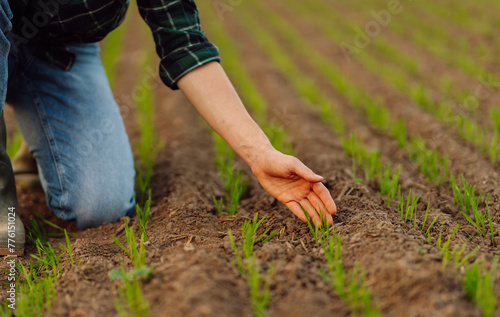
(73, 128)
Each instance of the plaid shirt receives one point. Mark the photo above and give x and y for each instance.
(175, 24)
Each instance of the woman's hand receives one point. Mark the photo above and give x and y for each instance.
(284, 177)
(292, 183)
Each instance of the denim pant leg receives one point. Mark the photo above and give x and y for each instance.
(5, 27)
(73, 127)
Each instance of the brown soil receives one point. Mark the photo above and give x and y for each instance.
(189, 250)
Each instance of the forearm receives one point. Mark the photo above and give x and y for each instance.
(283, 176)
(212, 94)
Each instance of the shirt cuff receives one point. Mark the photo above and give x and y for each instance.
(185, 59)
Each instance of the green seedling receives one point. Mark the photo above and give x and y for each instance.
(149, 144)
(389, 183)
(34, 293)
(36, 232)
(426, 214)
(260, 293)
(432, 164)
(130, 301)
(143, 215)
(492, 230)
(479, 285)
(53, 225)
(249, 235)
(399, 132)
(495, 118)
(440, 237)
(369, 161)
(408, 207)
(144, 272)
(235, 182)
(455, 254)
(112, 46)
(219, 204)
(137, 255)
(372, 165)
(445, 249)
(68, 248)
(35, 290)
(458, 254)
(239, 184)
(5, 310)
(428, 232)
(47, 257)
(238, 257)
(14, 143)
(465, 197)
(143, 179)
(350, 148)
(350, 286)
(494, 149)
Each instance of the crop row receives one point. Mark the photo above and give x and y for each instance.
(130, 300)
(234, 180)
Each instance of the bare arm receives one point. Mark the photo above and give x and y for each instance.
(284, 177)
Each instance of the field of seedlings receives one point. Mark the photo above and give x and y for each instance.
(395, 103)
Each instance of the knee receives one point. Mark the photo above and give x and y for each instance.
(91, 205)
(108, 207)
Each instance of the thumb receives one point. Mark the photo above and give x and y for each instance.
(306, 173)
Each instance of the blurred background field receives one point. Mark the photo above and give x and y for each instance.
(395, 103)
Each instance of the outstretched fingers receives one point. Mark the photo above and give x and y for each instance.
(320, 207)
(296, 208)
(325, 197)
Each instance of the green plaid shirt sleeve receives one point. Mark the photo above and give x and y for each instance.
(180, 43)
(175, 25)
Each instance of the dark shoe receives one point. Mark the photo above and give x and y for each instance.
(12, 236)
(25, 168)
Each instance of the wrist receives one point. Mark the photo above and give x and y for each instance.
(261, 158)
